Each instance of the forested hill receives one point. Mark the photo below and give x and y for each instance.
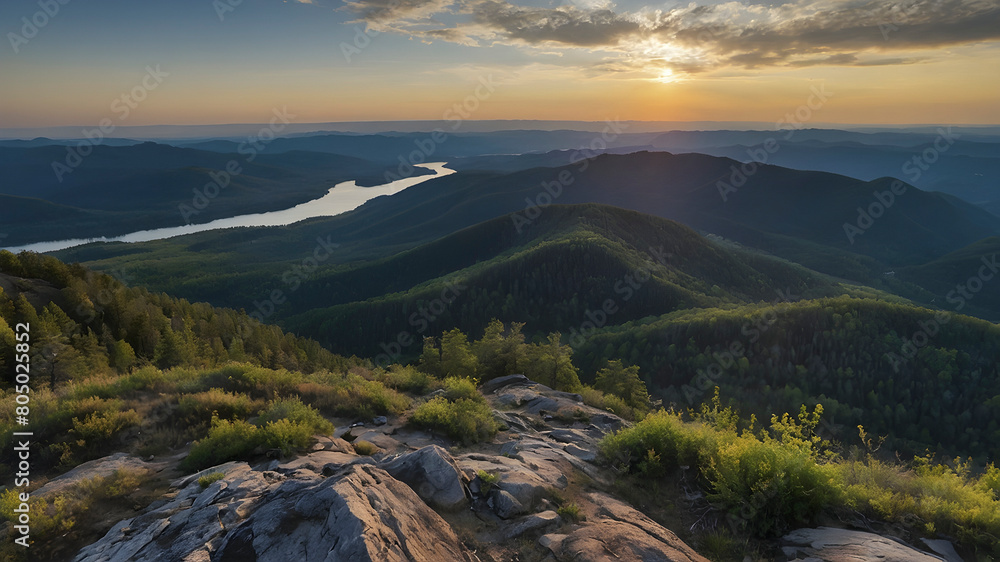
(85, 323)
(551, 274)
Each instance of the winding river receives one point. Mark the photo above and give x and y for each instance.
(343, 197)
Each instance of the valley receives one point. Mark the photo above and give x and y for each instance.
(663, 311)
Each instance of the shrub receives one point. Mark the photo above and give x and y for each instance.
(353, 396)
(457, 388)
(406, 378)
(226, 440)
(208, 479)
(764, 483)
(285, 435)
(293, 410)
(97, 432)
(366, 448)
(945, 498)
(466, 420)
(55, 515)
(768, 485)
(571, 512)
(608, 402)
(487, 481)
(199, 408)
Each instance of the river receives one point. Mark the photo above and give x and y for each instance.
(343, 197)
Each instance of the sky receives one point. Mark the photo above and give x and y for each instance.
(185, 62)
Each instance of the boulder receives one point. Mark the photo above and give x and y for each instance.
(617, 532)
(318, 461)
(360, 513)
(569, 436)
(844, 545)
(504, 504)
(324, 443)
(493, 385)
(943, 548)
(585, 455)
(102, 468)
(433, 474)
(530, 523)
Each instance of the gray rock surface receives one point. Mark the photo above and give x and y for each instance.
(843, 545)
(102, 468)
(492, 385)
(433, 474)
(361, 513)
(530, 523)
(615, 531)
(504, 504)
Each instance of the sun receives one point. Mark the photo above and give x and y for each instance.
(666, 76)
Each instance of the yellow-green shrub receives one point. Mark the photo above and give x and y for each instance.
(227, 440)
(294, 411)
(466, 420)
(406, 378)
(200, 407)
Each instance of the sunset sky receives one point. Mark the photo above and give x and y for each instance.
(232, 61)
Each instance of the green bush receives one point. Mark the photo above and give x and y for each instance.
(227, 440)
(199, 408)
(768, 485)
(608, 402)
(285, 435)
(207, 480)
(571, 512)
(946, 499)
(487, 481)
(55, 515)
(466, 420)
(771, 479)
(762, 482)
(286, 425)
(458, 388)
(293, 410)
(353, 396)
(406, 378)
(366, 448)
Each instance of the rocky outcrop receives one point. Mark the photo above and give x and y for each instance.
(616, 531)
(99, 468)
(360, 512)
(432, 473)
(843, 545)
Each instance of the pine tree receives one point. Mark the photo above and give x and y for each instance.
(457, 359)
(430, 357)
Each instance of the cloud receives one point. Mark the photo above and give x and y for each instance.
(698, 37)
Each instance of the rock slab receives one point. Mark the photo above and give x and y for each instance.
(360, 513)
(433, 474)
(844, 545)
